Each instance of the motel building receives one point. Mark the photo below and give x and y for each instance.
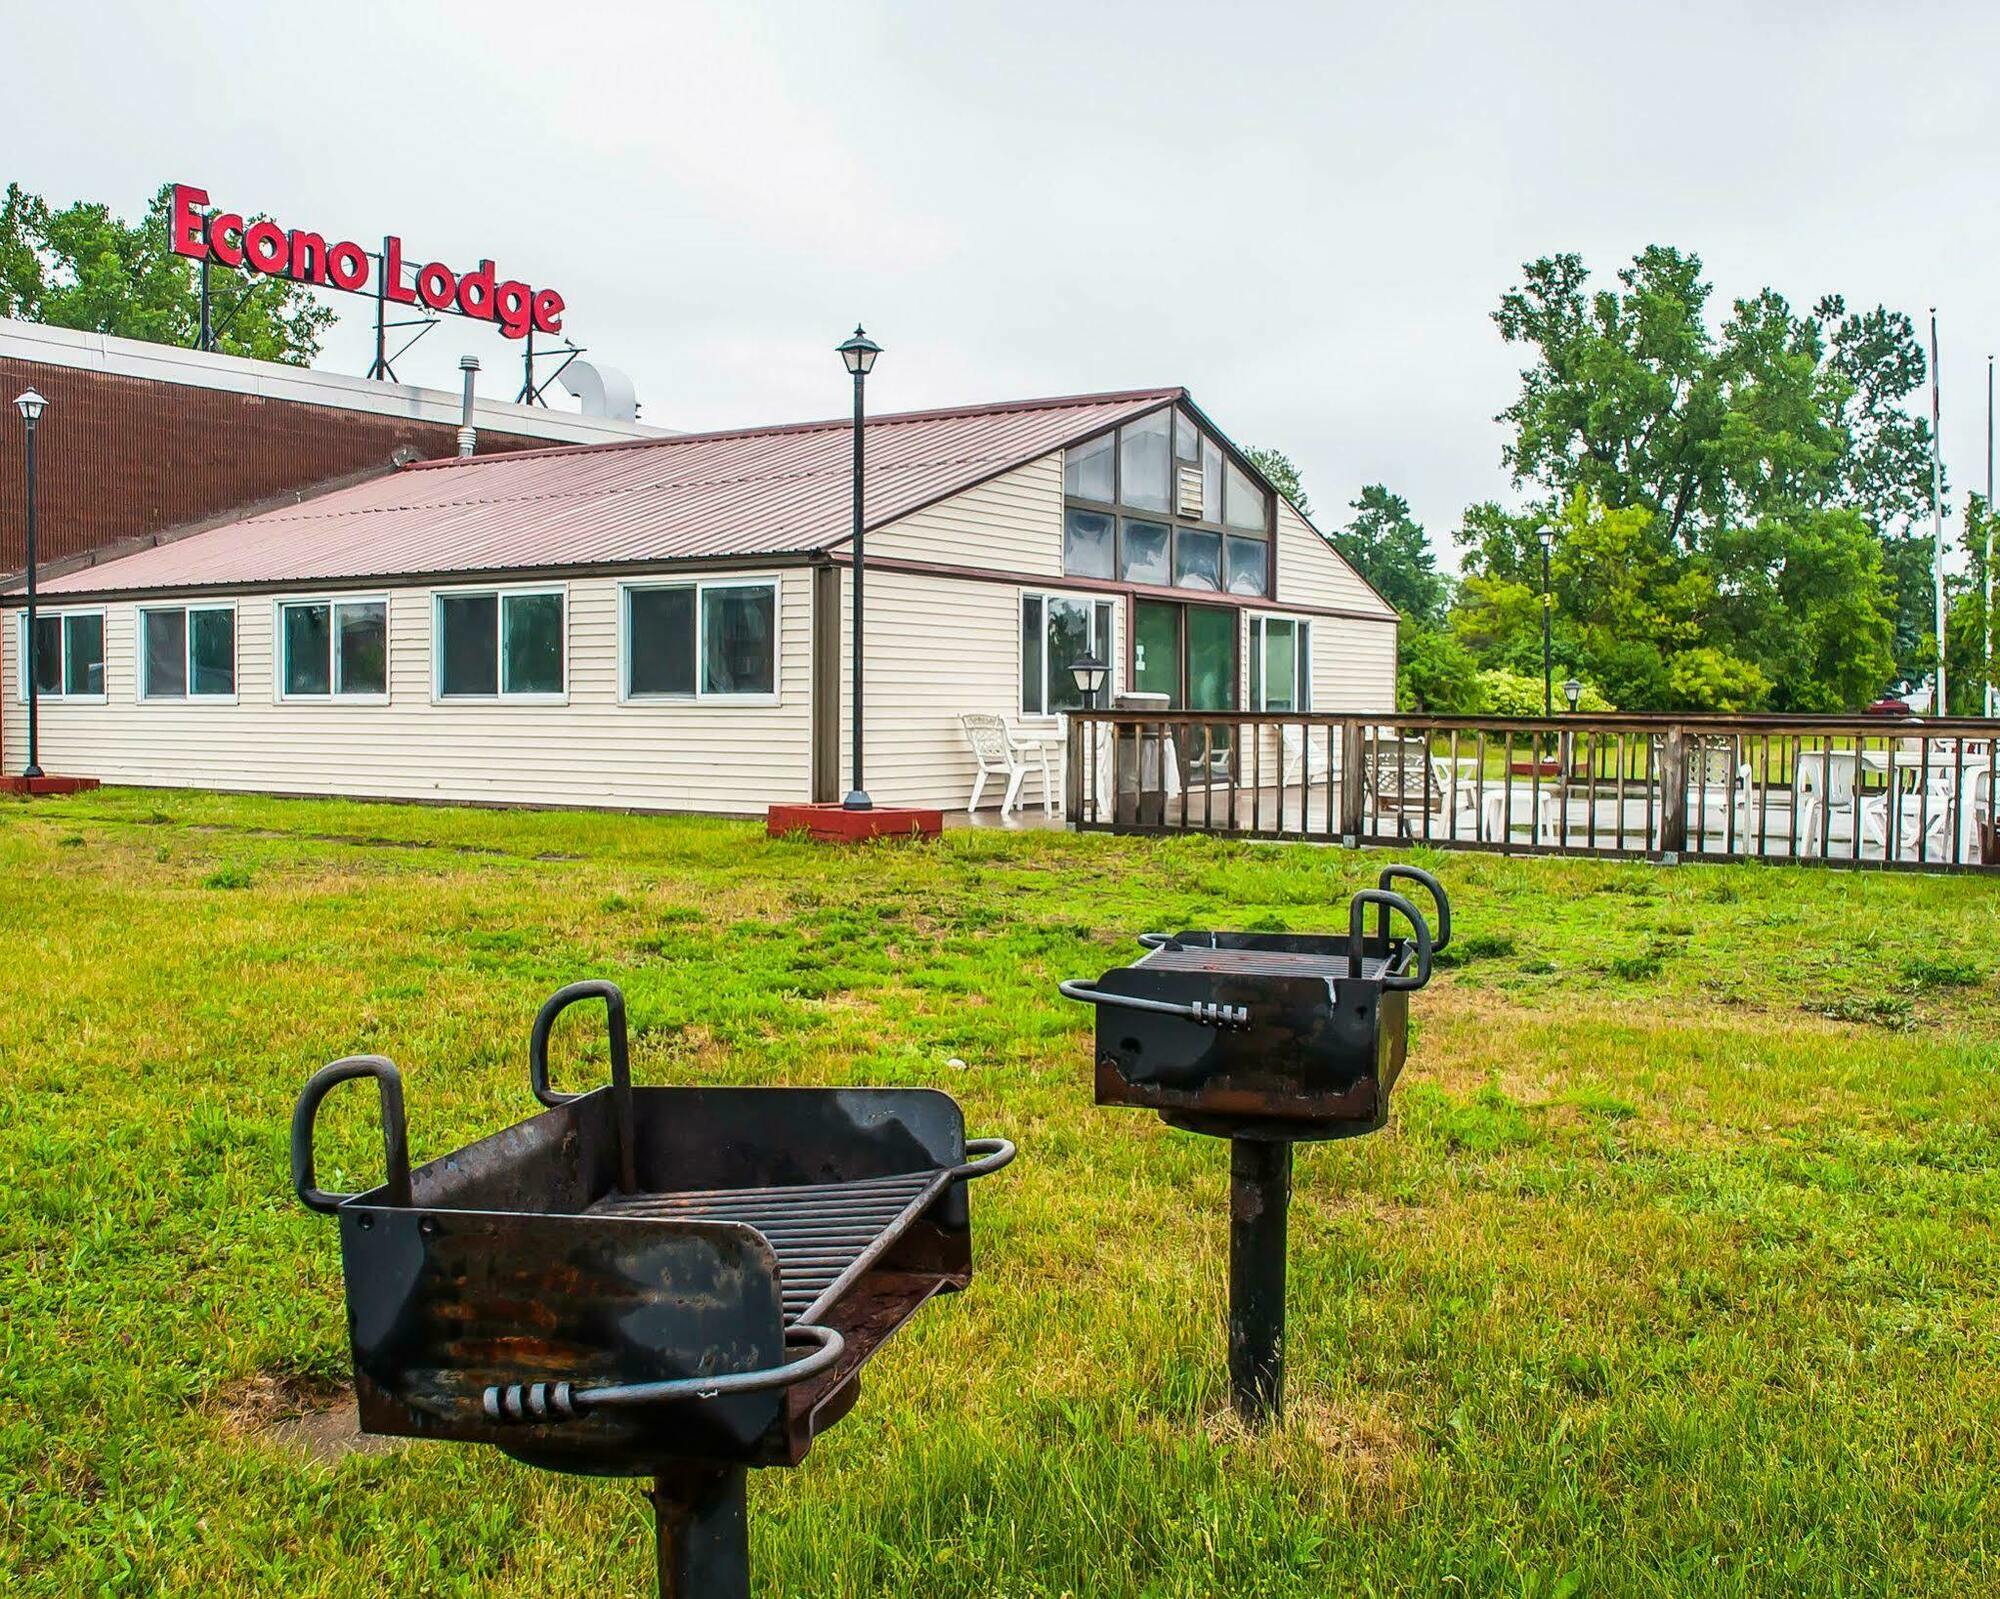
(662, 623)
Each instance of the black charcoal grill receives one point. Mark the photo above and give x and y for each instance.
(680, 1283)
(1267, 1039)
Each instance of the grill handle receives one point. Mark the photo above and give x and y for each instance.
(1208, 1015)
(621, 1062)
(991, 1154)
(1431, 886)
(395, 1135)
(1357, 916)
(560, 1401)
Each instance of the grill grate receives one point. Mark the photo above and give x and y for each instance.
(1258, 962)
(824, 1234)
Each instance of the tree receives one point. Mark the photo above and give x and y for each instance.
(1744, 488)
(1968, 668)
(82, 267)
(1387, 545)
(1436, 674)
(1277, 467)
(1807, 602)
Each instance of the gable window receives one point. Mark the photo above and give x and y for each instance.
(1280, 664)
(187, 652)
(1159, 502)
(1056, 630)
(705, 640)
(69, 655)
(500, 645)
(334, 649)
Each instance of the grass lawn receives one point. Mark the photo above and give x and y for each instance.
(1674, 1273)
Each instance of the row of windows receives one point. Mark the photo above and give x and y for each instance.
(1059, 629)
(1201, 521)
(692, 640)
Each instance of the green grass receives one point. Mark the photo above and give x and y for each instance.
(1673, 1274)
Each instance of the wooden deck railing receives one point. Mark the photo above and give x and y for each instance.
(1834, 790)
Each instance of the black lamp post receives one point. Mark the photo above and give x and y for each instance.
(1573, 692)
(1089, 673)
(858, 353)
(31, 405)
(1548, 600)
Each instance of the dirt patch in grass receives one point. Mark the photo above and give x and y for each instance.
(298, 1416)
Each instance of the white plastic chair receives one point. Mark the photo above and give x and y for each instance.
(1000, 754)
(1823, 785)
(1922, 816)
(1719, 781)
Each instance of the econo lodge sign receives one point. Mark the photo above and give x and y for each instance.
(278, 252)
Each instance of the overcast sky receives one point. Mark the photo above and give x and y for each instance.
(1305, 214)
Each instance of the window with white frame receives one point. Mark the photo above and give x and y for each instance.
(499, 644)
(1056, 629)
(69, 655)
(1280, 663)
(333, 649)
(187, 652)
(706, 640)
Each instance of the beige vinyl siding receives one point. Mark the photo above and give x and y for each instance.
(1010, 524)
(713, 755)
(1354, 665)
(939, 647)
(1312, 572)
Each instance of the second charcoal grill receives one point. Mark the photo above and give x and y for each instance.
(1267, 1039)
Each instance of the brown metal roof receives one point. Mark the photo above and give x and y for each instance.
(751, 492)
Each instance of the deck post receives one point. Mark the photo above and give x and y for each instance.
(1673, 794)
(1073, 773)
(1353, 783)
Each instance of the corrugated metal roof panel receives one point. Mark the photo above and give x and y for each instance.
(767, 491)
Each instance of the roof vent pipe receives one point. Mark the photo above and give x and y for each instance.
(468, 435)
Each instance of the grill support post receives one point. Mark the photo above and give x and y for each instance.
(702, 1526)
(1260, 1196)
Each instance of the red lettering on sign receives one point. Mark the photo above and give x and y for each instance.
(515, 302)
(437, 286)
(475, 292)
(347, 265)
(392, 273)
(185, 226)
(306, 257)
(220, 227)
(264, 244)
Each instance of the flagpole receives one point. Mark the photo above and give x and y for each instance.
(1986, 547)
(1937, 522)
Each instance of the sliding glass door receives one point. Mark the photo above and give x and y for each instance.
(1188, 653)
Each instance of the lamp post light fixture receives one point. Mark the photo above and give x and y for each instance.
(1573, 692)
(1548, 536)
(858, 355)
(31, 405)
(1089, 673)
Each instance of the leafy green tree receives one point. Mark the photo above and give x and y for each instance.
(1744, 487)
(1968, 668)
(1436, 674)
(1509, 693)
(1807, 602)
(1388, 546)
(82, 267)
(1708, 679)
(1283, 475)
